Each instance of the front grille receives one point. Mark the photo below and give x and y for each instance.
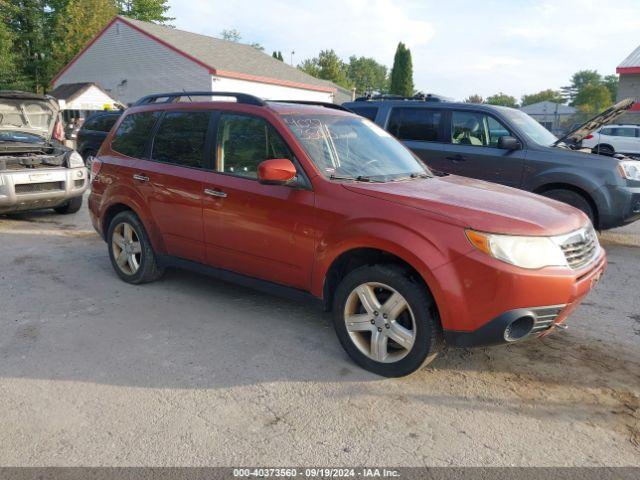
(38, 187)
(580, 247)
(544, 318)
(78, 183)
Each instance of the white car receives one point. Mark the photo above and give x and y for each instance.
(611, 139)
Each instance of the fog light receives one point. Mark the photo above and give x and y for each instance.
(518, 329)
(79, 174)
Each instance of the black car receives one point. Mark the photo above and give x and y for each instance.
(504, 145)
(93, 132)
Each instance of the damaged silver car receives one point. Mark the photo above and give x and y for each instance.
(36, 170)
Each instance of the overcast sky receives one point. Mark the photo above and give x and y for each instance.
(458, 47)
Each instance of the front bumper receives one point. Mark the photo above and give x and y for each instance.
(32, 189)
(489, 300)
(625, 207)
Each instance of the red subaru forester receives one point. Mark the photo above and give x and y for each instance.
(315, 201)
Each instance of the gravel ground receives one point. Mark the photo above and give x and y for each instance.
(190, 371)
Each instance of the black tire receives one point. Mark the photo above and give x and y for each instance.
(148, 270)
(574, 199)
(72, 206)
(607, 150)
(426, 341)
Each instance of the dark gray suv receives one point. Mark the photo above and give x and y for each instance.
(506, 146)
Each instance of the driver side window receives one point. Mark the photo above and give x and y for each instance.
(477, 129)
(244, 142)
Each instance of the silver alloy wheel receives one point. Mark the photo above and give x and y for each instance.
(127, 249)
(380, 322)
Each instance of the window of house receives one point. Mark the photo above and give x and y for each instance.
(181, 139)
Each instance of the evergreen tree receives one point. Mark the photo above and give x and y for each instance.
(280, 56)
(401, 80)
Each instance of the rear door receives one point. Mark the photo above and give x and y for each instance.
(625, 139)
(171, 179)
(473, 149)
(423, 131)
(264, 231)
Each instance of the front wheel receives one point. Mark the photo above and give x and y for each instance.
(72, 206)
(604, 150)
(385, 321)
(574, 199)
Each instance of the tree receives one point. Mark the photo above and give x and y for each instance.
(401, 78)
(231, 35)
(77, 26)
(502, 99)
(7, 58)
(145, 10)
(593, 98)
(367, 75)
(579, 80)
(327, 66)
(475, 98)
(545, 95)
(611, 82)
(277, 55)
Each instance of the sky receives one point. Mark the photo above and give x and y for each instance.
(458, 47)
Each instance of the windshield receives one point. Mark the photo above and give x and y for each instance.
(530, 127)
(352, 147)
(27, 116)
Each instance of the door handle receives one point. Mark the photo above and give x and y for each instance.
(215, 193)
(141, 178)
(457, 158)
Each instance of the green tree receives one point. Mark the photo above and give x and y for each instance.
(145, 10)
(579, 80)
(502, 99)
(327, 66)
(277, 55)
(401, 78)
(611, 82)
(367, 75)
(231, 35)
(7, 58)
(475, 98)
(77, 26)
(593, 98)
(545, 95)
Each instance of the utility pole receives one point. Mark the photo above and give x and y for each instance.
(293, 52)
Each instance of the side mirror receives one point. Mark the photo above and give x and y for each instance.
(509, 143)
(278, 171)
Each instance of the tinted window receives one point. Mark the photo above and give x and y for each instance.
(181, 137)
(101, 123)
(624, 132)
(419, 124)
(133, 133)
(244, 142)
(607, 131)
(475, 128)
(366, 112)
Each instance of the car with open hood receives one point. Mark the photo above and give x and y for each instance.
(507, 146)
(36, 170)
(316, 202)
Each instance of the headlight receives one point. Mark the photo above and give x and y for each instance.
(524, 252)
(630, 169)
(74, 160)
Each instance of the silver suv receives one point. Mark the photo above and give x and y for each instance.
(36, 171)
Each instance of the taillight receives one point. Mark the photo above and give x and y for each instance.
(588, 137)
(58, 131)
(96, 165)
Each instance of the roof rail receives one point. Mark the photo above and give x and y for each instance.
(420, 97)
(311, 102)
(175, 97)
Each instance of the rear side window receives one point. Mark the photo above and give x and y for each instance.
(417, 124)
(181, 138)
(133, 134)
(244, 142)
(366, 112)
(624, 132)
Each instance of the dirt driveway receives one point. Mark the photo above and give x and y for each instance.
(189, 371)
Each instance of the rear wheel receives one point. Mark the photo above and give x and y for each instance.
(72, 206)
(385, 321)
(607, 150)
(572, 198)
(130, 250)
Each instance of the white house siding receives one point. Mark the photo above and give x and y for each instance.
(91, 99)
(130, 65)
(267, 91)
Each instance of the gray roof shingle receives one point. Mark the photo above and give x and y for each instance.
(632, 60)
(225, 56)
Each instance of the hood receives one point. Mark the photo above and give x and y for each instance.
(27, 113)
(574, 137)
(483, 206)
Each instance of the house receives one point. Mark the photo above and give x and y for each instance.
(553, 116)
(629, 86)
(79, 100)
(131, 59)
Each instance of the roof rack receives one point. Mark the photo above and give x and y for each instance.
(175, 97)
(419, 97)
(311, 102)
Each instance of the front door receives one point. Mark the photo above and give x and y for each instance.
(264, 231)
(173, 179)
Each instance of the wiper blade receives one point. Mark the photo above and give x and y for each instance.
(359, 178)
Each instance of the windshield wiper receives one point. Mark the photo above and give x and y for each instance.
(359, 178)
